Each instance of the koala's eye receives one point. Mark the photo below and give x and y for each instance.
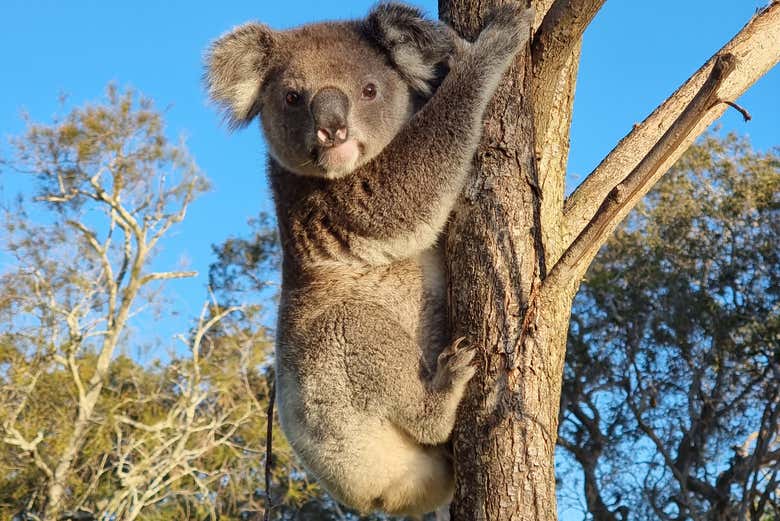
(292, 97)
(369, 91)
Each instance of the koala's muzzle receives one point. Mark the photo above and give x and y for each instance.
(329, 109)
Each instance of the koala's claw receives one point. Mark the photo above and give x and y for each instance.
(455, 364)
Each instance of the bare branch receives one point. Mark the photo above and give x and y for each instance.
(74, 371)
(558, 35)
(14, 437)
(757, 46)
(269, 451)
(102, 252)
(555, 56)
(126, 219)
(165, 275)
(157, 427)
(204, 328)
(739, 108)
(169, 220)
(127, 254)
(627, 193)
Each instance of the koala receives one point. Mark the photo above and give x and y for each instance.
(369, 146)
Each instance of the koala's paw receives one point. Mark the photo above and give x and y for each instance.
(507, 30)
(454, 367)
(460, 46)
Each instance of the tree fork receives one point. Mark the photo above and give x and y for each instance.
(512, 225)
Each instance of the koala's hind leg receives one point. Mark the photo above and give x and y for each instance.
(387, 373)
(431, 417)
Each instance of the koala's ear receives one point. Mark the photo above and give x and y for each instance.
(416, 46)
(236, 66)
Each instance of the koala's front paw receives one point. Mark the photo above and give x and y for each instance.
(507, 30)
(454, 366)
(460, 46)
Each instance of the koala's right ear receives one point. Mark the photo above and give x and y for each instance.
(236, 66)
(416, 46)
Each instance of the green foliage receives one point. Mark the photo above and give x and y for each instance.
(84, 428)
(122, 142)
(672, 376)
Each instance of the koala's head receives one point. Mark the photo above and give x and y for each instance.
(330, 96)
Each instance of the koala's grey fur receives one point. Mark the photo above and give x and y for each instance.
(368, 377)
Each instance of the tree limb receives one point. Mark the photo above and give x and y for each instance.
(628, 192)
(757, 47)
(102, 252)
(587, 456)
(72, 365)
(14, 437)
(560, 30)
(554, 42)
(165, 275)
(555, 61)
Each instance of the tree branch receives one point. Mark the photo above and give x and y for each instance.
(560, 30)
(552, 113)
(555, 60)
(757, 46)
(14, 437)
(587, 455)
(165, 275)
(102, 252)
(627, 193)
(74, 372)
(555, 40)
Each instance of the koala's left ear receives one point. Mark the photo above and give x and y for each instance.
(236, 67)
(416, 46)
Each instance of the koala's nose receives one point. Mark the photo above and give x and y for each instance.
(332, 136)
(329, 109)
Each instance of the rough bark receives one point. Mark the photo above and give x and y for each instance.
(505, 438)
(512, 228)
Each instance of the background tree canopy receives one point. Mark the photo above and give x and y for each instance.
(87, 431)
(671, 394)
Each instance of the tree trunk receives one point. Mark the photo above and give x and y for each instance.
(56, 487)
(87, 400)
(517, 250)
(504, 440)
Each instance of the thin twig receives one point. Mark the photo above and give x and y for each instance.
(742, 110)
(269, 451)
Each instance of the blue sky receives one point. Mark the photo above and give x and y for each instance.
(635, 54)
